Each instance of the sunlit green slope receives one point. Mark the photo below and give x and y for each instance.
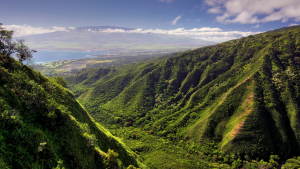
(43, 126)
(241, 94)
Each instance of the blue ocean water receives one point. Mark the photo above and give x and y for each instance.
(44, 56)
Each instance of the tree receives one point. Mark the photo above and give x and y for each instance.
(60, 80)
(110, 161)
(131, 167)
(8, 46)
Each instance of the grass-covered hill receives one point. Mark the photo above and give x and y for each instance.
(43, 126)
(242, 96)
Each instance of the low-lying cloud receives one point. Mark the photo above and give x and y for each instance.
(204, 33)
(293, 24)
(254, 11)
(23, 30)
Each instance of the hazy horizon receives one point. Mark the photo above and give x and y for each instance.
(210, 20)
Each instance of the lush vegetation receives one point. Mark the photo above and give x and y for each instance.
(233, 104)
(43, 126)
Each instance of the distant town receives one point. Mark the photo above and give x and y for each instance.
(116, 58)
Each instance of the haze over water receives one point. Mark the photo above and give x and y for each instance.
(43, 56)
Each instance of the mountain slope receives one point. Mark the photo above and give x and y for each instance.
(43, 126)
(242, 95)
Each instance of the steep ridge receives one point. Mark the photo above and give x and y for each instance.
(241, 94)
(43, 126)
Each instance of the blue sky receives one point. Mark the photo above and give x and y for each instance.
(242, 16)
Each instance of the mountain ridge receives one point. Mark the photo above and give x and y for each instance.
(96, 28)
(241, 94)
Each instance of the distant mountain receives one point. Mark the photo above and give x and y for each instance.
(97, 28)
(89, 38)
(240, 97)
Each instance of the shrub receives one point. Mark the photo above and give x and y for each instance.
(92, 139)
(215, 158)
(117, 120)
(134, 136)
(41, 146)
(193, 115)
(60, 164)
(110, 161)
(274, 159)
(60, 80)
(127, 124)
(84, 128)
(237, 163)
(131, 167)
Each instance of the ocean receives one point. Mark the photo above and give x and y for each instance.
(44, 56)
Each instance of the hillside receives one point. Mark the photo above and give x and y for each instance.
(43, 126)
(240, 96)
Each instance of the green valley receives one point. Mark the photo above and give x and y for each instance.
(230, 105)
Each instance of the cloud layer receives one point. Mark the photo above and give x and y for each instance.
(205, 33)
(22, 30)
(254, 11)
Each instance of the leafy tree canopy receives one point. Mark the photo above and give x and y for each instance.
(8, 46)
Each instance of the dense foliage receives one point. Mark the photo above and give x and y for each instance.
(235, 103)
(43, 126)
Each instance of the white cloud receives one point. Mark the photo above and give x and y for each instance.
(194, 8)
(175, 20)
(293, 24)
(214, 2)
(205, 29)
(197, 20)
(112, 30)
(23, 30)
(215, 10)
(72, 28)
(254, 11)
(256, 26)
(168, 1)
(205, 33)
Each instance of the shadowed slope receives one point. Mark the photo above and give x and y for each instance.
(43, 126)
